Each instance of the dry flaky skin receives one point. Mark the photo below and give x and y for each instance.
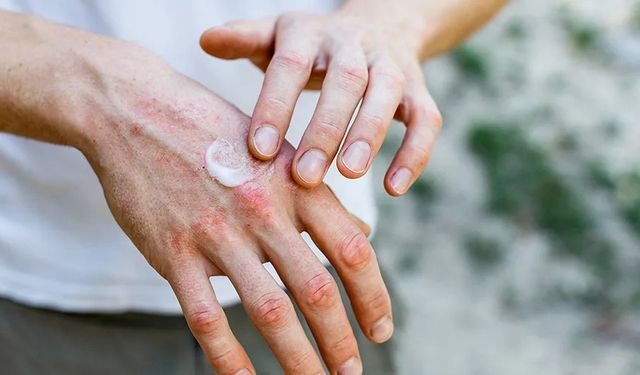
(158, 188)
(145, 129)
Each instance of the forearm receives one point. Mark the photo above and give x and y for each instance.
(61, 85)
(32, 71)
(431, 26)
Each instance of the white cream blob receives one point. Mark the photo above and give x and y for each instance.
(226, 165)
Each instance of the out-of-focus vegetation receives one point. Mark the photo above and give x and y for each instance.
(628, 199)
(525, 228)
(483, 251)
(524, 186)
(472, 62)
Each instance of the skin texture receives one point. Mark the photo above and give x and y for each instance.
(144, 129)
(363, 54)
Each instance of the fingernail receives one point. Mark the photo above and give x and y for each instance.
(244, 371)
(382, 330)
(357, 156)
(351, 367)
(265, 140)
(400, 180)
(311, 166)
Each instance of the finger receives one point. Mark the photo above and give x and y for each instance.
(423, 120)
(384, 91)
(350, 252)
(287, 74)
(317, 295)
(207, 321)
(364, 227)
(270, 310)
(240, 39)
(342, 90)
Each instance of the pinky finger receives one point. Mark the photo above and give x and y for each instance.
(208, 323)
(423, 120)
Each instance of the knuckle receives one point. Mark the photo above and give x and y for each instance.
(391, 74)
(378, 301)
(273, 311)
(290, 19)
(436, 119)
(275, 104)
(429, 115)
(299, 363)
(345, 344)
(419, 151)
(353, 75)
(223, 358)
(328, 128)
(355, 251)
(292, 60)
(206, 321)
(374, 121)
(321, 291)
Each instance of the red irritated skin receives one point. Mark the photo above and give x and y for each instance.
(145, 128)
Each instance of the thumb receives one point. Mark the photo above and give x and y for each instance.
(252, 39)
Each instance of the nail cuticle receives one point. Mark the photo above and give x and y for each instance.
(311, 166)
(356, 157)
(266, 139)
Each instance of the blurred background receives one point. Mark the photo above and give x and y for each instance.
(518, 252)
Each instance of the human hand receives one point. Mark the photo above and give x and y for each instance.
(148, 142)
(352, 57)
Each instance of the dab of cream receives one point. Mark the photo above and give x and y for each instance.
(226, 165)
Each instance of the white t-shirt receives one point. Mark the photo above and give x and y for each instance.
(59, 245)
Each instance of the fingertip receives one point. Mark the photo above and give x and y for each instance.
(382, 330)
(214, 41)
(264, 142)
(308, 170)
(355, 159)
(399, 181)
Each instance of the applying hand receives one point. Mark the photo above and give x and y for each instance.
(352, 57)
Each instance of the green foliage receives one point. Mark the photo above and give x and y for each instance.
(568, 142)
(483, 251)
(424, 189)
(525, 187)
(471, 62)
(628, 199)
(408, 262)
(584, 37)
(635, 17)
(599, 175)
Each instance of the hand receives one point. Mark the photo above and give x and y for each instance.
(352, 58)
(147, 144)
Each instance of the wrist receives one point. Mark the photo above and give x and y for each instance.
(399, 25)
(58, 83)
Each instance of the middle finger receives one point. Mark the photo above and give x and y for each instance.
(342, 90)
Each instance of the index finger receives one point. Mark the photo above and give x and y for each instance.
(285, 77)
